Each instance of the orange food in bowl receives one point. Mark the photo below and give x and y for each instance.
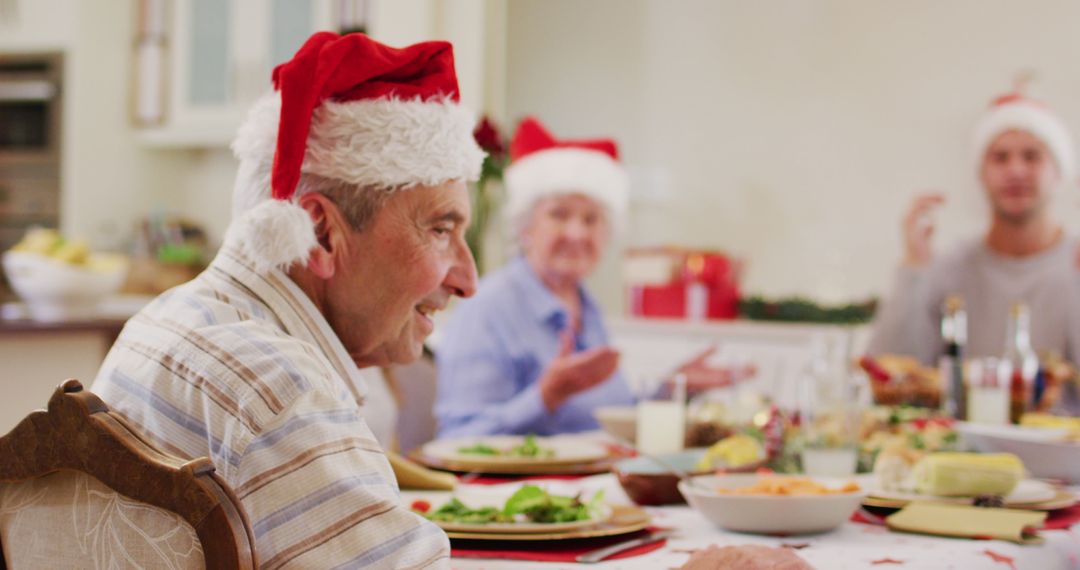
(775, 486)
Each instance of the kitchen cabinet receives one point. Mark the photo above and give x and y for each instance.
(215, 60)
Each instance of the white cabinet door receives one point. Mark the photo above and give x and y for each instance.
(221, 55)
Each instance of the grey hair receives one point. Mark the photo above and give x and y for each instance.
(358, 204)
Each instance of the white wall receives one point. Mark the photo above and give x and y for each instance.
(791, 132)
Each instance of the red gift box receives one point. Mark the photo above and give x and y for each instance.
(681, 283)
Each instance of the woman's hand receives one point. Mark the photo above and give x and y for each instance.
(572, 372)
(918, 230)
(701, 376)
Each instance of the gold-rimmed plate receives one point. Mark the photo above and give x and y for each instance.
(1049, 498)
(623, 520)
(563, 450)
(525, 527)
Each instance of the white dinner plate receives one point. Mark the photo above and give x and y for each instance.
(565, 450)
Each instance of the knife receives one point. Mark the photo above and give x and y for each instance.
(601, 553)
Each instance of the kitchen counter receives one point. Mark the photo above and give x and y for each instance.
(37, 356)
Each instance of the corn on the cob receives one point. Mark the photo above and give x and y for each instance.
(967, 474)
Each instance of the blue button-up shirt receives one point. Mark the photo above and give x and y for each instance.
(495, 349)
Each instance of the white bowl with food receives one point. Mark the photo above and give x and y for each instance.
(55, 290)
(773, 504)
(1045, 451)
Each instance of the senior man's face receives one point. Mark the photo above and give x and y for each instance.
(565, 236)
(400, 270)
(1019, 175)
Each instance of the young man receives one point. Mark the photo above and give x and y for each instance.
(1025, 159)
(348, 233)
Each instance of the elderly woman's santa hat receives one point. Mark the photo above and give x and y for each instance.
(350, 109)
(1016, 111)
(542, 166)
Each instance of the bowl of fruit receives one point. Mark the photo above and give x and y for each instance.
(60, 279)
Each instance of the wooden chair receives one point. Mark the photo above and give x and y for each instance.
(80, 488)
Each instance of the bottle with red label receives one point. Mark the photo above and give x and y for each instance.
(1021, 360)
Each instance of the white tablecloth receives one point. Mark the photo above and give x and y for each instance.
(853, 545)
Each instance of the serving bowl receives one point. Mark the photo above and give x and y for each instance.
(54, 290)
(769, 514)
(647, 482)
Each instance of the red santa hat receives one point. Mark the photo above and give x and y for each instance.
(540, 166)
(1016, 111)
(354, 110)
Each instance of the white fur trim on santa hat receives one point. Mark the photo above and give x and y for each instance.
(379, 143)
(274, 234)
(1032, 118)
(567, 171)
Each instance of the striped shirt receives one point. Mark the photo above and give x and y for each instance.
(240, 366)
(496, 347)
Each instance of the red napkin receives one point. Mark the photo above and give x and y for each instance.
(1063, 518)
(549, 551)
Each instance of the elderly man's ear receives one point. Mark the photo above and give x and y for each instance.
(331, 231)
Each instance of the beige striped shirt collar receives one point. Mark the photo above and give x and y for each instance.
(299, 316)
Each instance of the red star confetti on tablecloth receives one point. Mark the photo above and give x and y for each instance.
(996, 557)
(881, 561)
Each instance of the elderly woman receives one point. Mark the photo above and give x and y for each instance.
(529, 353)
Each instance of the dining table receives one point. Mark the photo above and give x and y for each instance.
(861, 543)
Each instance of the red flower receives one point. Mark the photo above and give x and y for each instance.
(489, 138)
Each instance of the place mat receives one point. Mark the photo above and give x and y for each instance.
(561, 551)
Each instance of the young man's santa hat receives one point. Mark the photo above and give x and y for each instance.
(350, 109)
(1016, 111)
(541, 165)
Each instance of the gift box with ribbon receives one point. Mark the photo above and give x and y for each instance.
(680, 283)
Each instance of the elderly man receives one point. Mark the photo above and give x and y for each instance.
(348, 233)
(1024, 159)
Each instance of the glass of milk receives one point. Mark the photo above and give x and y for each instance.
(661, 422)
(988, 392)
(830, 430)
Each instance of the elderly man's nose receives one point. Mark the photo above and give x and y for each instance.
(462, 278)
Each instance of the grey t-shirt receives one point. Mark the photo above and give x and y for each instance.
(1049, 282)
